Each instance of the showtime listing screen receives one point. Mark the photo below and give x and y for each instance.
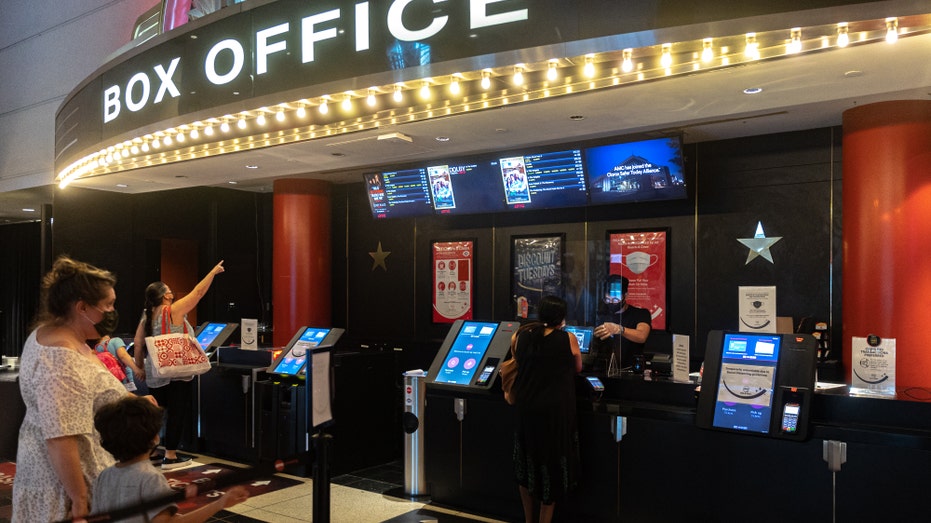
(466, 353)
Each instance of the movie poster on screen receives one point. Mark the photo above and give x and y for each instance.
(536, 271)
(872, 366)
(452, 281)
(641, 257)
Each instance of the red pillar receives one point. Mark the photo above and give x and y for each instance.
(301, 257)
(887, 232)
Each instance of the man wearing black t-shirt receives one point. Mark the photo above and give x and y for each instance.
(623, 328)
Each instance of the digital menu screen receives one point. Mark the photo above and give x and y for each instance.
(748, 376)
(396, 194)
(294, 359)
(636, 171)
(470, 187)
(545, 180)
(466, 353)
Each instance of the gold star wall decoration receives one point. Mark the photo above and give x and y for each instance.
(379, 257)
(759, 245)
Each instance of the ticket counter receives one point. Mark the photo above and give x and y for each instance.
(667, 468)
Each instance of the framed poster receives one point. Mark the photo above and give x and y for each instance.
(642, 257)
(536, 270)
(452, 280)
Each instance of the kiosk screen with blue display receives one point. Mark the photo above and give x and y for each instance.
(209, 333)
(745, 388)
(466, 353)
(293, 361)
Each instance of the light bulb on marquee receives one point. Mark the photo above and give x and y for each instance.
(892, 30)
(707, 51)
(627, 63)
(843, 39)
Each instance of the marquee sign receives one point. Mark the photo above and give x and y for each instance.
(258, 52)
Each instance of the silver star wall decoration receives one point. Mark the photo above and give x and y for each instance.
(759, 245)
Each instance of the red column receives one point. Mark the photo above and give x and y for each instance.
(301, 258)
(887, 232)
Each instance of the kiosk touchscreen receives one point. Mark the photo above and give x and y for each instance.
(212, 336)
(293, 358)
(758, 383)
(471, 354)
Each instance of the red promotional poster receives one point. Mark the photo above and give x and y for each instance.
(641, 257)
(452, 281)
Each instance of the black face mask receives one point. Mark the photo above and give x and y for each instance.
(615, 308)
(108, 323)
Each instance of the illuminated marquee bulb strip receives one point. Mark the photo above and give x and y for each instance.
(537, 81)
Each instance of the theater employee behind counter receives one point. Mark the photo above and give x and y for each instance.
(623, 328)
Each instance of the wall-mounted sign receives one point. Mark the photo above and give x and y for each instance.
(536, 271)
(452, 281)
(641, 256)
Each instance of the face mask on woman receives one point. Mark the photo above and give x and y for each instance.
(108, 323)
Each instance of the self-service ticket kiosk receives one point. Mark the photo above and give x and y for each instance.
(282, 401)
(471, 354)
(758, 383)
(212, 336)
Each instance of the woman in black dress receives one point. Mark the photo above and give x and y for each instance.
(546, 439)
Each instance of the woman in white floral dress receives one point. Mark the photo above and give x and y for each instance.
(63, 384)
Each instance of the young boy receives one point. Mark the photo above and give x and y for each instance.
(129, 430)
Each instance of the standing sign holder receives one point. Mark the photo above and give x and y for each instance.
(319, 417)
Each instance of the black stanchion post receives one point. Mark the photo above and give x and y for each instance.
(322, 444)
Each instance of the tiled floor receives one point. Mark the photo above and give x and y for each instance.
(373, 495)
